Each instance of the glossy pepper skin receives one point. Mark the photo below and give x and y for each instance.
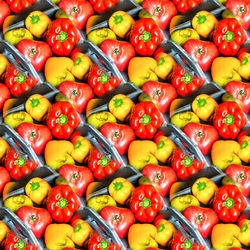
(244, 153)
(241, 10)
(180, 242)
(17, 82)
(241, 92)
(62, 36)
(184, 165)
(229, 119)
(13, 242)
(145, 203)
(244, 69)
(101, 6)
(228, 203)
(96, 242)
(101, 82)
(145, 119)
(62, 202)
(101, 165)
(184, 82)
(202, 135)
(18, 166)
(240, 175)
(62, 119)
(204, 190)
(19, 5)
(228, 36)
(120, 219)
(184, 6)
(162, 11)
(145, 36)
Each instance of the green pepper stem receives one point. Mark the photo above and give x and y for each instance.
(201, 185)
(78, 227)
(118, 185)
(62, 203)
(244, 61)
(187, 78)
(117, 19)
(229, 119)
(229, 36)
(146, 119)
(34, 19)
(161, 144)
(78, 61)
(160, 228)
(229, 203)
(187, 161)
(244, 228)
(62, 119)
(34, 185)
(145, 203)
(62, 36)
(103, 245)
(104, 161)
(103, 78)
(20, 245)
(145, 36)
(161, 61)
(187, 244)
(78, 144)
(201, 102)
(20, 78)
(20, 161)
(118, 102)
(34, 102)
(201, 19)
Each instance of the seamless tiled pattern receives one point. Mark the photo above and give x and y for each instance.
(124, 124)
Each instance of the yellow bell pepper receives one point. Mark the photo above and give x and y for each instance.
(17, 201)
(204, 190)
(4, 147)
(120, 23)
(183, 35)
(100, 201)
(4, 63)
(165, 231)
(82, 147)
(184, 201)
(225, 153)
(4, 230)
(37, 106)
(120, 106)
(120, 189)
(82, 231)
(142, 153)
(224, 236)
(165, 148)
(244, 68)
(58, 153)
(244, 236)
(141, 70)
(37, 190)
(58, 70)
(244, 152)
(16, 35)
(99, 35)
(225, 70)
(82, 65)
(58, 236)
(37, 23)
(142, 236)
(204, 23)
(165, 65)
(17, 118)
(100, 118)
(183, 118)
(204, 106)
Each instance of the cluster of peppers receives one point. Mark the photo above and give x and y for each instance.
(51, 129)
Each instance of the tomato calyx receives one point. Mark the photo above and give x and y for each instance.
(158, 93)
(33, 218)
(244, 61)
(33, 52)
(74, 10)
(241, 176)
(78, 61)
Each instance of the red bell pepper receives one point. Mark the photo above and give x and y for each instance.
(180, 242)
(145, 202)
(101, 6)
(120, 136)
(96, 242)
(145, 35)
(101, 165)
(17, 6)
(78, 11)
(204, 136)
(228, 203)
(120, 219)
(162, 94)
(145, 119)
(241, 92)
(13, 242)
(35, 52)
(203, 52)
(241, 176)
(5, 11)
(120, 52)
(229, 119)
(18, 82)
(241, 10)
(62, 202)
(78, 177)
(228, 36)
(35, 135)
(62, 119)
(79, 94)
(184, 82)
(101, 82)
(37, 219)
(203, 219)
(162, 177)
(162, 11)
(62, 36)
(184, 165)
(17, 165)
(184, 6)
